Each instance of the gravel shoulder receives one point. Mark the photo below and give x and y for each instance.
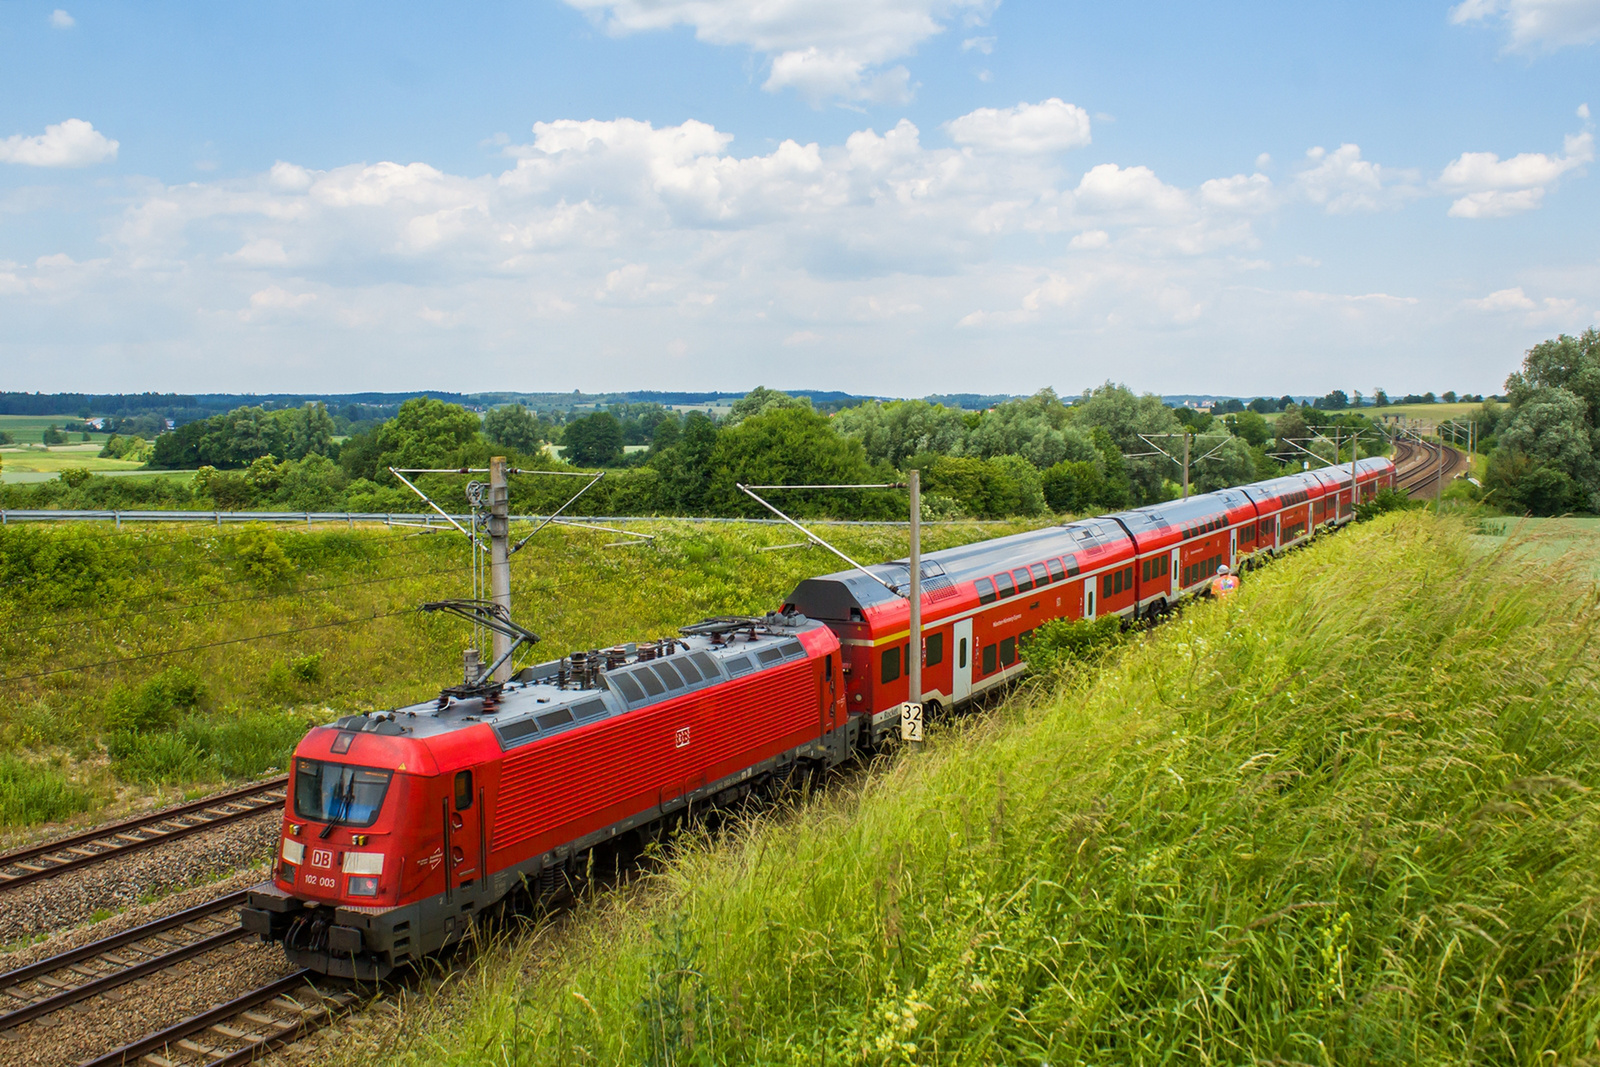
(182, 874)
(72, 898)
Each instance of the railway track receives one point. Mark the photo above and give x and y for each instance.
(132, 835)
(240, 1031)
(1418, 463)
(60, 981)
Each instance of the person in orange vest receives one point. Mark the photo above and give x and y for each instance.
(1226, 582)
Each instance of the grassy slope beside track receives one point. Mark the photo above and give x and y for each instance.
(1347, 817)
(91, 597)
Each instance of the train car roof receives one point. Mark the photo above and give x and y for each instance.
(545, 699)
(830, 596)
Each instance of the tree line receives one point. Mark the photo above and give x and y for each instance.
(1107, 448)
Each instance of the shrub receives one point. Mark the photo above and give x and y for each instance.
(37, 792)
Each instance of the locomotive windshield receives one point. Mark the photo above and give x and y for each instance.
(338, 793)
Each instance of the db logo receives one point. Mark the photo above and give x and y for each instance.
(321, 857)
(683, 737)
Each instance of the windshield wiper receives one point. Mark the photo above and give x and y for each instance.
(348, 797)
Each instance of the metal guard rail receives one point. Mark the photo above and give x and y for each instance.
(397, 518)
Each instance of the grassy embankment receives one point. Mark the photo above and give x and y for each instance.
(1347, 817)
(131, 719)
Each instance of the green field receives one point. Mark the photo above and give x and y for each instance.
(29, 429)
(1345, 817)
(331, 627)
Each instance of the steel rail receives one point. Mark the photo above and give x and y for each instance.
(45, 853)
(135, 1051)
(96, 986)
(106, 944)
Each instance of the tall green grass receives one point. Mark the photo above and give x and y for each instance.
(37, 791)
(1346, 816)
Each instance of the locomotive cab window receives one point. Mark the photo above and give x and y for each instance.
(889, 668)
(463, 790)
(338, 793)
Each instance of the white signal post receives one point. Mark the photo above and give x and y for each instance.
(914, 666)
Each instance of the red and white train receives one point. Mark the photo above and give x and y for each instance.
(403, 826)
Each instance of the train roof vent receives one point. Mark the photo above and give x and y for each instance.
(707, 665)
(554, 720)
(589, 710)
(737, 665)
(769, 656)
(519, 732)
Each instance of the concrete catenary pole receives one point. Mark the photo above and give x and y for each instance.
(500, 559)
(914, 667)
(1355, 451)
(1186, 464)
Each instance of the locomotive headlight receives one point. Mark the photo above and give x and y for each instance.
(294, 852)
(363, 863)
(363, 887)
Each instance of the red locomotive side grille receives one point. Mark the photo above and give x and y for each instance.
(636, 756)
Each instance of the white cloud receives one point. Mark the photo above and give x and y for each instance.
(73, 143)
(61, 20)
(1052, 125)
(1536, 24)
(1252, 193)
(597, 244)
(820, 48)
(979, 44)
(1496, 187)
(1341, 181)
(1583, 112)
(1504, 300)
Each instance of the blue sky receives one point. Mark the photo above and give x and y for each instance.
(892, 196)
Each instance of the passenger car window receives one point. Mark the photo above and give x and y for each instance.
(989, 663)
(1003, 583)
(1040, 575)
(933, 649)
(889, 665)
(986, 593)
(1024, 579)
(1008, 651)
(1057, 572)
(961, 653)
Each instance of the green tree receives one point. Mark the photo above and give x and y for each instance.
(761, 400)
(593, 441)
(515, 427)
(893, 432)
(794, 446)
(1230, 464)
(685, 466)
(54, 435)
(982, 488)
(1249, 426)
(1547, 442)
(1039, 428)
(1124, 416)
(426, 432)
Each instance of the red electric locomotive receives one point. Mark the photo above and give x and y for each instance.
(402, 826)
